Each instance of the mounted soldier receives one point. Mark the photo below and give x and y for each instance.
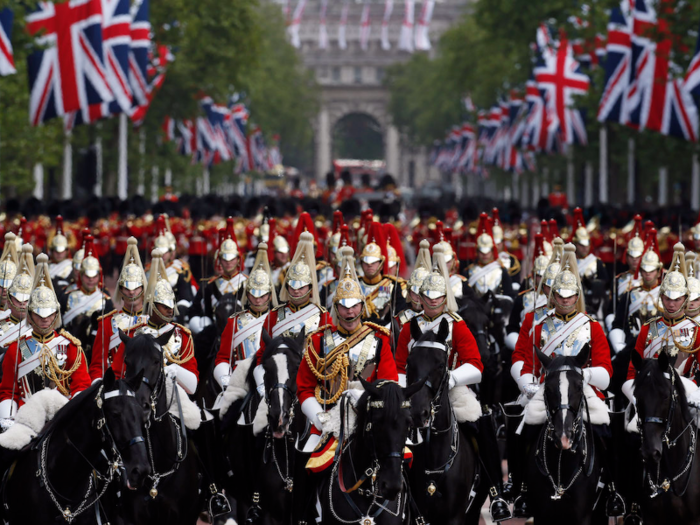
(131, 288)
(229, 281)
(241, 337)
(161, 309)
(279, 256)
(591, 269)
(44, 358)
(89, 301)
(421, 270)
(488, 274)
(61, 265)
(510, 261)
(8, 271)
(464, 362)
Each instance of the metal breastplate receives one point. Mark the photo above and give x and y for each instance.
(625, 282)
(382, 298)
(75, 298)
(229, 285)
(573, 344)
(250, 344)
(124, 321)
(423, 325)
(539, 314)
(407, 315)
(362, 356)
(529, 299)
(5, 326)
(36, 380)
(659, 329)
(310, 325)
(649, 308)
(489, 282)
(457, 285)
(64, 273)
(505, 260)
(588, 270)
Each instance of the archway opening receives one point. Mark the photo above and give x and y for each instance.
(358, 136)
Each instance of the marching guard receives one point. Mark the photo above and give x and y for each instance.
(465, 367)
(131, 288)
(44, 358)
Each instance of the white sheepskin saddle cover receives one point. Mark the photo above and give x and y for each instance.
(31, 418)
(465, 404)
(237, 387)
(536, 412)
(190, 410)
(692, 392)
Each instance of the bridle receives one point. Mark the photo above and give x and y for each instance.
(577, 424)
(657, 486)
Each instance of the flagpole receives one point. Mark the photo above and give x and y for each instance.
(663, 186)
(603, 182)
(695, 185)
(122, 180)
(67, 193)
(141, 189)
(588, 197)
(630, 172)
(99, 168)
(154, 182)
(570, 177)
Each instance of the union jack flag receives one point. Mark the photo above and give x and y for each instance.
(7, 59)
(235, 126)
(187, 141)
(70, 73)
(216, 115)
(618, 65)
(156, 69)
(692, 78)
(561, 78)
(140, 51)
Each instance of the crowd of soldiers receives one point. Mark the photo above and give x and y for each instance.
(353, 285)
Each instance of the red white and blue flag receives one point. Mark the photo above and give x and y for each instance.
(692, 78)
(140, 50)
(618, 65)
(70, 73)
(7, 59)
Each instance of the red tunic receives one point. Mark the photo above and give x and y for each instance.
(600, 351)
(224, 354)
(463, 344)
(271, 321)
(77, 382)
(525, 340)
(306, 380)
(641, 345)
(186, 348)
(102, 355)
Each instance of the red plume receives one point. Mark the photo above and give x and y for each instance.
(304, 224)
(83, 237)
(393, 238)
(485, 227)
(648, 226)
(578, 219)
(376, 235)
(651, 242)
(344, 236)
(539, 248)
(439, 231)
(59, 225)
(338, 221)
(495, 214)
(637, 228)
(553, 229)
(160, 225)
(544, 230)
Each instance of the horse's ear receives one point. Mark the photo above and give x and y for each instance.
(582, 357)
(544, 359)
(266, 337)
(301, 336)
(134, 383)
(370, 388)
(664, 361)
(414, 387)
(163, 339)
(444, 330)
(416, 333)
(125, 338)
(637, 360)
(109, 379)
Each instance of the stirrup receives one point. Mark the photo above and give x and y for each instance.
(615, 504)
(499, 509)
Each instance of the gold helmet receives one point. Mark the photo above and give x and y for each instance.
(497, 229)
(59, 242)
(8, 261)
(259, 282)
(79, 255)
(581, 235)
(567, 283)
(692, 281)
(159, 290)
(21, 287)
(651, 260)
(484, 239)
(280, 244)
(421, 269)
(541, 260)
(371, 253)
(635, 246)
(42, 300)
(436, 284)
(302, 269)
(228, 250)
(394, 258)
(132, 275)
(674, 284)
(348, 292)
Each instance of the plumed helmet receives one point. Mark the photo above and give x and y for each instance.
(484, 239)
(21, 287)
(59, 242)
(567, 282)
(496, 228)
(259, 282)
(90, 265)
(580, 235)
(42, 300)
(541, 260)
(692, 281)
(8, 261)
(228, 250)
(674, 284)
(421, 269)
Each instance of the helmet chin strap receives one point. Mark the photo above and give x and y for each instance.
(678, 313)
(301, 298)
(444, 301)
(566, 310)
(261, 308)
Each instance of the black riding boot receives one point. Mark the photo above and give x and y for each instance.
(304, 491)
(513, 416)
(524, 444)
(206, 439)
(615, 504)
(634, 474)
(491, 460)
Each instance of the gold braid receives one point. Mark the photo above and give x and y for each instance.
(53, 370)
(187, 353)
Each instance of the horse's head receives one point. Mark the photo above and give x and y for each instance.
(225, 308)
(281, 362)
(123, 424)
(384, 418)
(427, 364)
(657, 389)
(144, 354)
(563, 395)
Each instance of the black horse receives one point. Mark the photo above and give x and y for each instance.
(206, 345)
(445, 467)
(264, 470)
(93, 441)
(171, 494)
(366, 481)
(669, 443)
(564, 465)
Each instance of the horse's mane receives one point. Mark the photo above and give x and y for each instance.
(654, 380)
(73, 407)
(277, 342)
(392, 397)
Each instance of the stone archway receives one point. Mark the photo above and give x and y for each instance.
(357, 136)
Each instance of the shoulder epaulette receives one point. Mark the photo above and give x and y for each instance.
(621, 274)
(323, 310)
(70, 337)
(525, 291)
(652, 320)
(320, 265)
(212, 279)
(134, 327)
(320, 329)
(184, 328)
(515, 265)
(378, 328)
(107, 315)
(279, 307)
(455, 316)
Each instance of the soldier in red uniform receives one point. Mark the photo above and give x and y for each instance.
(45, 358)
(131, 288)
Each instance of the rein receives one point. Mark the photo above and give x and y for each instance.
(657, 486)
